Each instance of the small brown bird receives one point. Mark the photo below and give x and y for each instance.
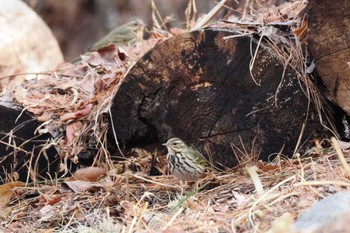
(184, 162)
(126, 34)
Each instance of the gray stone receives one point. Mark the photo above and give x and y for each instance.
(326, 214)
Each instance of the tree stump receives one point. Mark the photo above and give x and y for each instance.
(198, 86)
(329, 44)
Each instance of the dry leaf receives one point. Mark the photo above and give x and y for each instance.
(47, 213)
(48, 199)
(81, 186)
(269, 167)
(6, 192)
(300, 32)
(77, 114)
(89, 173)
(72, 131)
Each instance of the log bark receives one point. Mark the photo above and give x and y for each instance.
(198, 86)
(22, 153)
(329, 44)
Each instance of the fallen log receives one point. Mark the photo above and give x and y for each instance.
(23, 154)
(328, 42)
(210, 92)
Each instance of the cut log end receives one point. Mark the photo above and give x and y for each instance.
(201, 88)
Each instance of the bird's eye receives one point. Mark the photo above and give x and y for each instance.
(175, 143)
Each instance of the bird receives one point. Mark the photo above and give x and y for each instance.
(184, 162)
(126, 34)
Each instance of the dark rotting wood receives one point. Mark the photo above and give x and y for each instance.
(328, 40)
(21, 148)
(198, 86)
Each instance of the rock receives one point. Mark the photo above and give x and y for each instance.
(332, 214)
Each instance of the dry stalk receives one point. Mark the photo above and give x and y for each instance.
(262, 198)
(202, 22)
(341, 157)
(171, 221)
(323, 182)
(256, 180)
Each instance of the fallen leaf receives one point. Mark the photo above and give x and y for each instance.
(300, 32)
(269, 167)
(72, 130)
(6, 192)
(67, 116)
(47, 213)
(77, 114)
(84, 111)
(89, 173)
(48, 199)
(122, 54)
(81, 186)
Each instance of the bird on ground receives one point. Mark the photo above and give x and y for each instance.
(184, 162)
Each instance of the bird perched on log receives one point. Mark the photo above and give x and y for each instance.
(184, 162)
(126, 34)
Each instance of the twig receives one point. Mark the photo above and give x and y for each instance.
(209, 16)
(114, 134)
(250, 213)
(341, 156)
(323, 182)
(256, 180)
(173, 218)
(151, 181)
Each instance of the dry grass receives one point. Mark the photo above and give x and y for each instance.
(220, 202)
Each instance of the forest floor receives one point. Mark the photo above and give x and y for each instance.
(254, 196)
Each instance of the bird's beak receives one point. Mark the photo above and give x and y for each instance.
(164, 144)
